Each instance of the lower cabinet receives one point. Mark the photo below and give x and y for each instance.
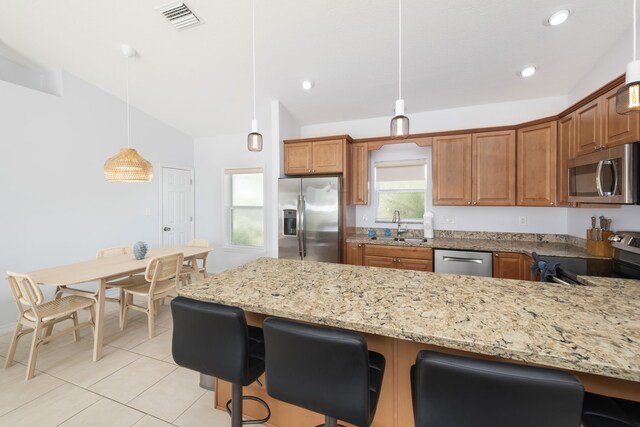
(354, 253)
(510, 265)
(404, 258)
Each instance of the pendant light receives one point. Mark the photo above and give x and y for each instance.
(400, 123)
(628, 96)
(128, 165)
(254, 139)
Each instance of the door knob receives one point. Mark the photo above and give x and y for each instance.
(167, 229)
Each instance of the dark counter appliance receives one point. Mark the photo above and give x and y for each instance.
(624, 264)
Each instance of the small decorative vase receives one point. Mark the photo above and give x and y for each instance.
(140, 250)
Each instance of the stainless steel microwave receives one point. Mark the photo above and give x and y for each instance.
(607, 176)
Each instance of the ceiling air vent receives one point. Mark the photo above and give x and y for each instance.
(179, 14)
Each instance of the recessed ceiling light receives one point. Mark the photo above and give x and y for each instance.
(559, 17)
(307, 84)
(528, 71)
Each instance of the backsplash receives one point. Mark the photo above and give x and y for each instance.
(486, 235)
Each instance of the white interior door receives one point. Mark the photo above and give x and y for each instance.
(177, 206)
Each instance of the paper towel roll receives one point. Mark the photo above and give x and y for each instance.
(428, 224)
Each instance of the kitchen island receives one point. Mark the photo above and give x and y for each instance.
(591, 330)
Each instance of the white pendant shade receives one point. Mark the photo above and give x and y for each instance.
(628, 96)
(254, 139)
(400, 122)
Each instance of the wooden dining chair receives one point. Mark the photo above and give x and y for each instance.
(188, 267)
(120, 284)
(162, 279)
(34, 315)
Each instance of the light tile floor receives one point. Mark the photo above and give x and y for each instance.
(136, 383)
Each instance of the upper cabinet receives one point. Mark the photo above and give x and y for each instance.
(537, 165)
(617, 129)
(314, 157)
(566, 151)
(599, 126)
(493, 169)
(359, 174)
(588, 133)
(477, 169)
(452, 170)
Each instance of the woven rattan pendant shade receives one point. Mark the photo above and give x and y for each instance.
(128, 166)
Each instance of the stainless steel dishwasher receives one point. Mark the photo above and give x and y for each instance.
(463, 262)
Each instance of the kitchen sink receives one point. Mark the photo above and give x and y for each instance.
(400, 239)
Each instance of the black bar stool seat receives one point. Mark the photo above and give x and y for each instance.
(603, 411)
(328, 371)
(214, 339)
(459, 391)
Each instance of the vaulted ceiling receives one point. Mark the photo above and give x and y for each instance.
(455, 53)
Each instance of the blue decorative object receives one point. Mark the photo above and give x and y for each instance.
(387, 232)
(140, 250)
(371, 233)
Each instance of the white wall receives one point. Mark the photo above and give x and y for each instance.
(467, 218)
(609, 66)
(283, 126)
(212, 156)
(627, 218)
(57, 207)
(476, 116)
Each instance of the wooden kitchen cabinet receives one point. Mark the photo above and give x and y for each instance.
(313, 157)
(537, 154)
(452, 170)
(354, 254)
(599, 126)
(493, 170)
(511, 265)
(401, 257)
(566, 151)
(617, 129)
(298, 158)
(475, 169)
(588, 133)
(359, 174)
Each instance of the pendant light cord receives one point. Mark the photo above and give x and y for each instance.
(128, 113)
(253, 25)
(400, 49)
(635, 18)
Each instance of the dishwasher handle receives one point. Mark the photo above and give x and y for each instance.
(458, 259)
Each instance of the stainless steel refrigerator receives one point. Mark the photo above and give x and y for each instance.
(309, 218)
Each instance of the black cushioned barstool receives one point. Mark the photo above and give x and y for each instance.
(325, 370)
(459, 391)
(214, 339)
(603, 411)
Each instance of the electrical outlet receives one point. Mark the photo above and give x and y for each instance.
(522, 220)
(147, 212)
(448, 219)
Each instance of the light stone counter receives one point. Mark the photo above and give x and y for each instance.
(592, 329)
(525, 247)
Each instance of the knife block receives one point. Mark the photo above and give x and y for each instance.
(599, 247)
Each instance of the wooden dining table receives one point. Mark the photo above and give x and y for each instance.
(103, 270)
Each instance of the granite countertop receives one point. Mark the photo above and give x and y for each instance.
(593, 328)
(525, 247)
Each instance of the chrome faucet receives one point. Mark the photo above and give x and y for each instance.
(396, 219)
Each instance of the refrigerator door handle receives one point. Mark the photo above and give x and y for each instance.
(302, 232)
(299, 226)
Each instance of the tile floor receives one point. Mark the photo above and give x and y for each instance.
(136, 383)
